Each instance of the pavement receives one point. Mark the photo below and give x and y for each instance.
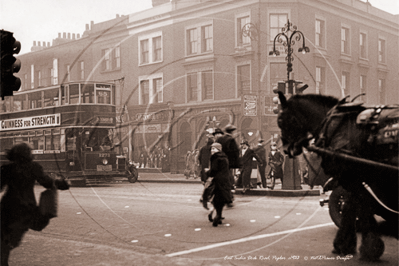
(159, 177)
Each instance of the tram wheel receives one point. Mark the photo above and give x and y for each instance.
(336, 204)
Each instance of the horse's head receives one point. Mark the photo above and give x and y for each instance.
(300, 117)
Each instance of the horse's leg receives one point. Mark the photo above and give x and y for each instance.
(5, 253)
(345, 239)
(372, 246)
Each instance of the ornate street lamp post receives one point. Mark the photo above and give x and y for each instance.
(287, 37)
(252, 31)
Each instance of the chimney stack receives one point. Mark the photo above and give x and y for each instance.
(73, 36)
(34, 43)
(48, 44)
(87, 26)
(69, 35)
(59, 35)
(64, 35)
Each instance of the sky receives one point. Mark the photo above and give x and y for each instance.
(42, 20)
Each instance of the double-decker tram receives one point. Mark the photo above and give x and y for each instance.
(70, 127)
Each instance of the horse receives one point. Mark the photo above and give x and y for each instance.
(350, 132)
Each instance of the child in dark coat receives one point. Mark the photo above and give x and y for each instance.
(220, 172)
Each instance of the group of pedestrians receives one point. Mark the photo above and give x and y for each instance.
(221, 158)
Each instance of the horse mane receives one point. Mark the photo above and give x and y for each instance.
(318, 98)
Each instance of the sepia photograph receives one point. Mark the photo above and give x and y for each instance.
(199, 132)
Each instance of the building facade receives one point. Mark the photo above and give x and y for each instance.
(183, 66)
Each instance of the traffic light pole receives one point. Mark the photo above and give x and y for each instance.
(287, 37)
(9, 64)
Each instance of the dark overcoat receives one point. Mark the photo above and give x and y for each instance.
(276, 163)
(204, 158)
(230, 148)
(220, 172)
(246, 161)
(18, 205)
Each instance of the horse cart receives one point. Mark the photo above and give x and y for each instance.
(359, 147)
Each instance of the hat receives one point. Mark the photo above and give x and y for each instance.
(245, 142)
(218, 131)
(273, 144)
(217, 145)
(261, 141)
(230, 128)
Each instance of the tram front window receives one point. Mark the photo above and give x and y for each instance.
(103, 96)
(97, 140)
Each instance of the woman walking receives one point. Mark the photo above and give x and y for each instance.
(220, 172)
(19, 211)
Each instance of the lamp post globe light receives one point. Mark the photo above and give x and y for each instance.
(288, 36)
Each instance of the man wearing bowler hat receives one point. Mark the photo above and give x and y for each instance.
(247, 155)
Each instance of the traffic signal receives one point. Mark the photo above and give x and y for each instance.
(280, 87)
(9, 64)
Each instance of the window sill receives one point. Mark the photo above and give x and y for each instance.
(200, 58)
(150, 63)
(110, 71)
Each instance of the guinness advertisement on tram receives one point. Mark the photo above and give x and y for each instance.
(70, 128)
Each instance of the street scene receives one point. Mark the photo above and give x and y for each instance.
(199, 132)
(153, 223)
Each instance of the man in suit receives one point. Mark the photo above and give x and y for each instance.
(261, 152)
(247, 155)
(230, 148)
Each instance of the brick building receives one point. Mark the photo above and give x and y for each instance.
(182, 66)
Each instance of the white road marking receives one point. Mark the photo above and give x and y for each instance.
(246, 239)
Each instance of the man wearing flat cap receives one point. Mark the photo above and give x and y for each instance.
(247, 155)
(261, 152)
(230, 148)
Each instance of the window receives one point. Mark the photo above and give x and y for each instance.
(277, 22)
(144, 52)
(87, 93)
(144, 92)
(157, 90)
(345, 82)
(207, 38)
(207, 85)
(199, 39)
(107, 59)
(25, 81)
(320, 33)
(111, 59)
(381, 51)
(243, 78)
(68, 72)
(320, 80)
(82, 70)
(192, 41)
(54, 72)
(103, 96)
(32, 76)
(345, 41)
(241, 39)
(151, 89)
(35, 100)
(19, 102)
(381, 90)
(39, 78)
(51, 97)
(363, 45)
(150, 48)
(117, 61)
(192, 87)
(157, 46)
(73, 94)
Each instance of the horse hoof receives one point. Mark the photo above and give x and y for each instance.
(372, 248)
(210, 217)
